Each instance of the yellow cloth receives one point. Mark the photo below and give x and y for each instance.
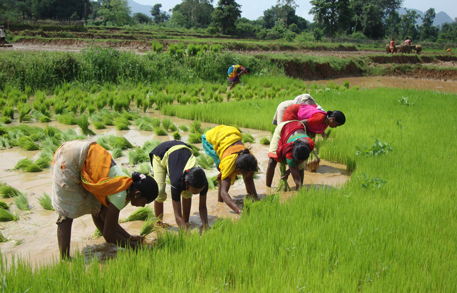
(222, 137)
(94, 175)
(160, 169)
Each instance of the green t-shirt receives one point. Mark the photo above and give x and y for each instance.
(117, 199)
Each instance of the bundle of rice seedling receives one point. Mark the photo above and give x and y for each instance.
(264, 141)
(196, 127)
(43, 162)
(196, 149)
(4, 205)
(6, 120)
(83, 123)
(205, 161)
(2, 238)
(117, 153)
(160, 131)
(195, 138)
(144, 168)
(247, 137)
(120, 142)
(66, 119)
(184, 128)
(6, 216)
(140, 214)
(283, 185)
(22, 202)
(44, 119)
(166, 123)
(121, 125)
(148, 226)
(150, 145)
(46, 202)
(210, 182)
(97, 234)
(99, 125)
(138, 156)
(24, 111)
(7, 191)
(27, 143)
(8, 112)
(173, 127)
(155, 122)
(312, 164)
(176, 135)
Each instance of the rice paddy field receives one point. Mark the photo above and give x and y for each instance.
(390, 228)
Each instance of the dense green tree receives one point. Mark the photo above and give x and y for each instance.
(57, 9)
(141, 18)
(197, 13)
(332, 15)
(408, 26)
(427, 30)
(393, 25)
(178, 19)
(285, 13)
(286, 8)
(448, 33)
(159, 16)
(373, 26)
(225, 16)
(116, 12)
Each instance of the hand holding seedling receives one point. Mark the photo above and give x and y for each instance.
(137, 238)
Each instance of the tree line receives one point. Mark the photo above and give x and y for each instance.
(361, 19)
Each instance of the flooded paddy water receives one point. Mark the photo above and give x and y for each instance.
(33, 236)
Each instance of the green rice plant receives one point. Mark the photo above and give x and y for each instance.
(155, 122)
(283, 185)
(176, 135)
(43, 162)
(195, 138)
(264, 141)
(247, 137)
(26, 143)
(196, 149)
(45, 202)
(160, 131)
(166, 123)
(148, 226)
(6, 216)
(97, 234)
(2, 238)
(117, 153)
(121, 125)
(83, 123)
(137, 156)
(8, 112)
(157, 47)
(183, 128)
(6, 120)
(24, 110)
(205, 161)
(67, 119)
(99, 125)
(4, 205)
(140, 214)
(120, 142)
(196, 127)
(145, 126)
(149, 145)
(27, 165)
(44, 119)
(22, 202)
(144, 168)
(4, 143)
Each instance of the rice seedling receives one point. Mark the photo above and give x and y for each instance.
(119, 142)
(121, 125)
(195, 138)
(6, 120)
(8, 112)
(183, 128)
(6, 216)
(196, 127)
(144, 168)
(97, 234)
(4, 205)
(4, 143)
(7, 191)
(205, 161)
(176, 135)
(117, 153)
(140, 214)
(283, 185)
(166, 123)
(99, 125)
(83, 123)
(196, 149)
(138, 156)
(155, 122)
(148, 226)
(3, 238)
(149, 145)
(67, 119)
(24, 110)
(264, 141)
(160, 131)
(22, 202)
(46, 202)
(247, 137)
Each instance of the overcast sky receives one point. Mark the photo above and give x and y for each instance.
(253, 9)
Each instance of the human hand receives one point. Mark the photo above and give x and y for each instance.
(137, 238)
(286, 174)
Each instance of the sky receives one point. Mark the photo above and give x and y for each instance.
(253, 9)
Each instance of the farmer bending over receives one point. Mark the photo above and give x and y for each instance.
(235, 72)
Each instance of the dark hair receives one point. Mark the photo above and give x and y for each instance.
(247, 70)
(195, 177)
(148, 186)
(300, 151)
(338, 115)
(245, 161)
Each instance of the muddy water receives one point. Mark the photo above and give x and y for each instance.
(33, 237)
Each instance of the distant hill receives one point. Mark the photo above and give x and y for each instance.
(440, 18)
(136, 7)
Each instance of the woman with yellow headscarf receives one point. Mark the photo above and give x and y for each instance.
(223, 143)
